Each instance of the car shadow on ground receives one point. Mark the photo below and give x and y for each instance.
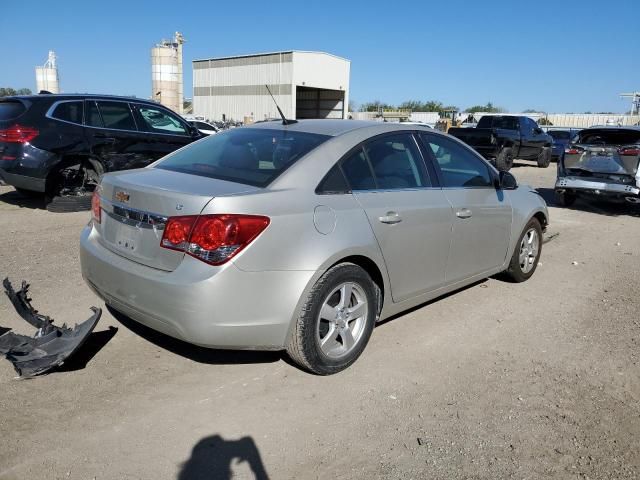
(609, 208)
(88, 350)
(17, 199)
(437, 299)
(194, 352)
(213, 456)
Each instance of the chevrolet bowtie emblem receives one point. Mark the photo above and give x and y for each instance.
(122, 196)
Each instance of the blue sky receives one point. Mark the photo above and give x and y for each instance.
(555, 56)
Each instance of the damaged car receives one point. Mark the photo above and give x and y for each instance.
(600, 162)
(301, 236)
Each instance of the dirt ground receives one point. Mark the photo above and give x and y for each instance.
(528, 381)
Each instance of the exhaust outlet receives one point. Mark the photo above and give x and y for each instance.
(632, 199)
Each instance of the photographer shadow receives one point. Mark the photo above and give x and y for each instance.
(212, 458)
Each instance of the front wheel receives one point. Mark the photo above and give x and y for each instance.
(526, 255)
(336, 321)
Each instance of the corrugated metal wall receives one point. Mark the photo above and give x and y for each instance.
(235, 87)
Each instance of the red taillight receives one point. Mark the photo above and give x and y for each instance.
(573, 150)
(629, 151)
(18, 134)
(214, 239)
(177, 231)
(96, 209)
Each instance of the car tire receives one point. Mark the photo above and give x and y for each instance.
(70, 203)
(504, 160)
(565, 199)
(544, 159)
(319, 341)
(526, 253)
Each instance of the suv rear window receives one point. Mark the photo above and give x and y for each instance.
(559, 134)
(613, 136)
(69, 112)
(253, 156)
(11, 109)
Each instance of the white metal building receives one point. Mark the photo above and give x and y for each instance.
(305, 85)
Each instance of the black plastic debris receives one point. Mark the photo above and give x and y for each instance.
(50, 346)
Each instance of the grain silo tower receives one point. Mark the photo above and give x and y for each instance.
(166, 73)
(47, 75)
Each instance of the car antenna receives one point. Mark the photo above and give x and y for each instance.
(284, 119)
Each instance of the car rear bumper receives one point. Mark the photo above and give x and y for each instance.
(217, 307)
(23, 181)
(596, 186)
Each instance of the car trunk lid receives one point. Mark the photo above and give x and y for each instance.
(137, 203)
(605, 151)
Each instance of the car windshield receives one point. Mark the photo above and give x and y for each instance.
(253, 156)
(613, 136)
(559, 134)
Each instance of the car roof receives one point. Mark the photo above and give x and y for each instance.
(613, 127)
(79, 96)
(333, 127)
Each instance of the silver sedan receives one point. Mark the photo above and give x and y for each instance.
(303, 236)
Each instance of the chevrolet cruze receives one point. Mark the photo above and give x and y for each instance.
(301, 236)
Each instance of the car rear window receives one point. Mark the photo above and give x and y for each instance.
(252, 156)
(559, 134)
(613, 136)
(489, 121)
(11, 109)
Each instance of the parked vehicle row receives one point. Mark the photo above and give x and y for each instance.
(301, 236)
(503, 138)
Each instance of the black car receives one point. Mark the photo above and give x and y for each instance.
(502, 138)
(60, 145)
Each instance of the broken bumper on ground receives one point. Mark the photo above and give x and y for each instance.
(50, 346)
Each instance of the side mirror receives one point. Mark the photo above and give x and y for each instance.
(507, 181)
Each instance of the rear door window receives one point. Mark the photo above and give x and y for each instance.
(117, 115)
(358, 172)
(158, 121)
(68, 112)
(11, 109)
(92, 114)
(396, 162)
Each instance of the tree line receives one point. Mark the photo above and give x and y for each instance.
(9, 92)
(428, 106)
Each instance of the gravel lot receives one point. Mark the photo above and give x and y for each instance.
(536, 380)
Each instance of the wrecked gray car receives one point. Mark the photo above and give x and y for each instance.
(50, 346)
(600, 161)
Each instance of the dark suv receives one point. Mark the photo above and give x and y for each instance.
(60, 145)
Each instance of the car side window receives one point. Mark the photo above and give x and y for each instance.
(117, 115)
(333, 182)
(396, 162)
(69, 112)
(159, 121)
(356, 169)
(460, 168)
(92, 115)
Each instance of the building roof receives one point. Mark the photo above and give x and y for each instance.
(266, 54)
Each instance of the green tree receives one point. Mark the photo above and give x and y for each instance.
(488, 108)
(375, 106)
(530, 110)
(9, 92)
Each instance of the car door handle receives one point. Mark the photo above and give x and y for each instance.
(105, 138)
(390, 218)
(464, 213)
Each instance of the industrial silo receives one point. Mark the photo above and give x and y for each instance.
(47, 75)
(166, 73)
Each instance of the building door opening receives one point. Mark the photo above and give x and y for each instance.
(319, 103)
